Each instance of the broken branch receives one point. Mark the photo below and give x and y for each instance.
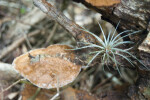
(68, 24)
(15, 44)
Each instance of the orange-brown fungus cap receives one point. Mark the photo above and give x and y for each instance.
(43, 67)
(99, 3)
(29, 91)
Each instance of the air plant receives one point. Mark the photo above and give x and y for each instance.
(108, 48)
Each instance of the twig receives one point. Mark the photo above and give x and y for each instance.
(30, 18)
(73, 28)
(57, 94)
(12, 85)
(102, 83)
(2, 95)
(9, 4)
(36, 94)
(9, 18)
(51, 34)
(15, 44)
(27, 40)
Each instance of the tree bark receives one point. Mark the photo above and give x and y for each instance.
(133, 14)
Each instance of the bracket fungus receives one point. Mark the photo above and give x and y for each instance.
(44, 67)
(100, 3)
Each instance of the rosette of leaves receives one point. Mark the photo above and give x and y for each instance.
(108, 48)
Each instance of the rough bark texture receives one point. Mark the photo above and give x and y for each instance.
(73, 28)
(133, 14)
